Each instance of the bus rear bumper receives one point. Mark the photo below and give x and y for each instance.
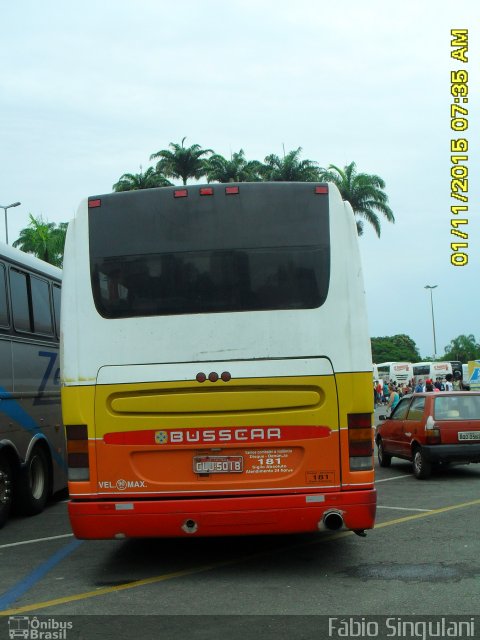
(228, 516)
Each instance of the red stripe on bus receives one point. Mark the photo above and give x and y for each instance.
(236, 435)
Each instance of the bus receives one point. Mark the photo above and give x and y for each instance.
(399, 372)
(32, 439)
(216, 363)
(431, 370)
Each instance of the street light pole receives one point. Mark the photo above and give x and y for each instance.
(9, 206)
(432, 287)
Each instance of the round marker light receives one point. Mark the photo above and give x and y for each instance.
(226, 376)
(201, 377)
(213, 376)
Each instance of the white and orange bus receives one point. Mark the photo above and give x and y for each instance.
(216, 363)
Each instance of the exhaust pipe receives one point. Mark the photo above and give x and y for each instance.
(190, 526)
(333, 520)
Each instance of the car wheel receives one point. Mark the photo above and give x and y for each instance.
(34, 485)
(384, 459)
(422, 468)
(5, 489)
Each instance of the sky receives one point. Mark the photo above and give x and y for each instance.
(89, 90)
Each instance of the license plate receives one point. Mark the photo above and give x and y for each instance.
(469, 435)
(217, 464)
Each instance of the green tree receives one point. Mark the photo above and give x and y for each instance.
(148, 180)
(399, 348)
(237, 169)
(43, 239)
(462, 348)
(289, 168)
(181, 162)
(364, 191)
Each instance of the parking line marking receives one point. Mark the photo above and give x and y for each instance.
(9, 597)
(402, 508)
(225, 563)
(394, 478)
(17, 544)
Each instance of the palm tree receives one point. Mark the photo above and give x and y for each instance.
(237, 169)
(43, 239)
(290, 168)
(364, 191)
(182, 162)
(147, 180)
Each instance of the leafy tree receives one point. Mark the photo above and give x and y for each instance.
(181, 162)
(462, 348)
(364, 191)
(134, 181)
(237, 169)
(43, 239)
(289, 168)
(399, 348)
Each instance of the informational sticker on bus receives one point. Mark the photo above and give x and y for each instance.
(270, 461)
(325, 477)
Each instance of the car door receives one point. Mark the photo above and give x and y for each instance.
(393, 437)
(413, 425)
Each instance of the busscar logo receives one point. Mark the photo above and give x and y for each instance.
(37, 628)
(228, 434)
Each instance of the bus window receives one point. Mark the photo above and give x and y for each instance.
(42, 313)
(20, 304)
(4, 320)
(57, 307)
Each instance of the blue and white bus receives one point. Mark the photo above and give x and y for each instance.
(32, 439)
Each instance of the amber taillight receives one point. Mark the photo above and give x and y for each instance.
(77, 452)
(360, 441)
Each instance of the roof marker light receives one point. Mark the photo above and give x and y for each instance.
(206, 191)
(180, 193)
(94, 203)
(321, 189)
(231, 190)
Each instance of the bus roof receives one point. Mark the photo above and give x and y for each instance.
(28, 260)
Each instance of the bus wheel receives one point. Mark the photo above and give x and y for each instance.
(5, 489)
(34, 485)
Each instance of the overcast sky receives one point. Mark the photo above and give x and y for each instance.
(89, 90)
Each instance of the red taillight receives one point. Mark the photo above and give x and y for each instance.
(77, 452)
(94, 203)
(231, 190)
(432, 436)
(206, 191)
(180, 193)
(360, 441)
(321, 189)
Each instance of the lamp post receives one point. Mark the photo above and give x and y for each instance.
(9, 206)
(432, 287)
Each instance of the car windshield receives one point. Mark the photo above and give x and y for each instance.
(461, 407)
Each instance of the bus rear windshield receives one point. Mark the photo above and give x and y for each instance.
(267, 248)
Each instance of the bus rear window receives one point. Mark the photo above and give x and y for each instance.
(191, 255)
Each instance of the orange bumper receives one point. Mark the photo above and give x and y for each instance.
(228, 516)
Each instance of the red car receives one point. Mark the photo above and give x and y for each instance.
(431, 428)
